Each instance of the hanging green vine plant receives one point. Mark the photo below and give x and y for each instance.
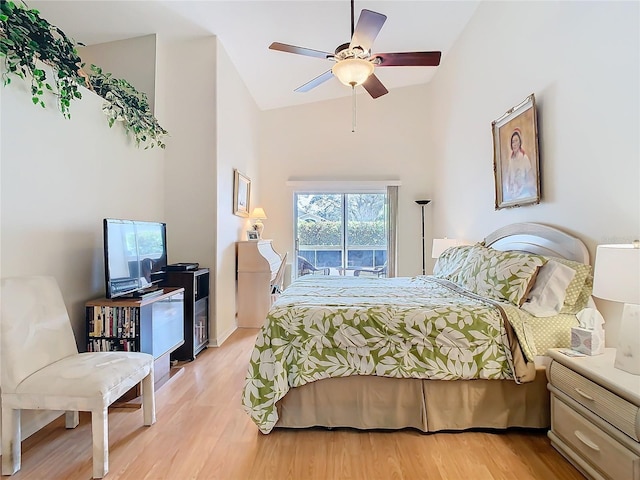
(123, 103)
(26, 38)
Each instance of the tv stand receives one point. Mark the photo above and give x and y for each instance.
(150, 292)
(153, 324)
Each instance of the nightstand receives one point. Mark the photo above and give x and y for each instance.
(595, 415)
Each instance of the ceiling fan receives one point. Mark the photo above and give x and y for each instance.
(354, 62)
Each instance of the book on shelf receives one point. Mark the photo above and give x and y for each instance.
(113, 328)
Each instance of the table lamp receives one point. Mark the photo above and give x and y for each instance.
(617, 278)
(258, 215)
(441, 244)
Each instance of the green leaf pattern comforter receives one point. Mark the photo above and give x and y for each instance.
(419, 327)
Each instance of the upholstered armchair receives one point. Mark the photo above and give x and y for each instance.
(42, 369)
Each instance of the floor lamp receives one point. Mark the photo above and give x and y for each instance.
(422, 203)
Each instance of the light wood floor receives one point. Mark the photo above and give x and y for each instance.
(202, 433)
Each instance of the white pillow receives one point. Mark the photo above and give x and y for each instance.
(548, 293)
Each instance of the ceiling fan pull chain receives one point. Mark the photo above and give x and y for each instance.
(353, 113)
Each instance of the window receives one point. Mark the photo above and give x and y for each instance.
(341, 233)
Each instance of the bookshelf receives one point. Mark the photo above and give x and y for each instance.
(151, 325)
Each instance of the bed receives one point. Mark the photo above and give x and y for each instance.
(463, 348)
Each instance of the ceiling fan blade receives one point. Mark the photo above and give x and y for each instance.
(409, 59)
(315, 82)
(374, 86)
(367, 29)
(283, 47)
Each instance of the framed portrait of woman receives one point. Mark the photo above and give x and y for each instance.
(516, 162)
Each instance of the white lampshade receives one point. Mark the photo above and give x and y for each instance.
(617, 278)
(258, 213)
(441, 244)
(617, 273)
(353, 71)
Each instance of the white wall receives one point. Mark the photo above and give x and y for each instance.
(213, 125)
(133, 59)
(237, 147)
(581, 60)
(58, 183)
(315, 142)
(58, 179)
(188, 70)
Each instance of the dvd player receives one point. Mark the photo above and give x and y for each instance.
(182, 266)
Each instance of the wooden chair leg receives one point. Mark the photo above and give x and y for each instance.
(100, 433)
(148, 400)
(71, 418)
(11, 434)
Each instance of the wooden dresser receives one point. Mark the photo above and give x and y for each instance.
(257, 265)
(595, 415)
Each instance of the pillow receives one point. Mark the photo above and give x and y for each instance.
(583, 297)
(450, 262)
(580, 288)
(503, 276)
(547, 296)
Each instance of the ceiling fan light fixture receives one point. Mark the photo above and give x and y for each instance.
(353, 71)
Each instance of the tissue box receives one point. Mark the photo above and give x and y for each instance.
(589, 342)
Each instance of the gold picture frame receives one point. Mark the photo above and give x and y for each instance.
(241, 194)
(516, 162)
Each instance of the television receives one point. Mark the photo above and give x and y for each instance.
(135, 256)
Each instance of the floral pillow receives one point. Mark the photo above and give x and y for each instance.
(450, 262)
(502, 276)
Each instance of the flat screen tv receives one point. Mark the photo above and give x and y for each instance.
(135, 256)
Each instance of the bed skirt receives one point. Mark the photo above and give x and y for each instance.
(369, 402)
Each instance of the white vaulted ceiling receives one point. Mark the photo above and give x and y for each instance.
(247, 28)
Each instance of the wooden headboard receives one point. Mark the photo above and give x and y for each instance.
(540, 239)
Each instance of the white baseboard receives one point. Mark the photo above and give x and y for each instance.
(216, 342)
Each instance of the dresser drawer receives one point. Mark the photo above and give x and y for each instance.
(595, 446)
(618, 412)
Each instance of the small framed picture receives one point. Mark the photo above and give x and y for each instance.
(241, 194)
(253, 235)
(516, 164)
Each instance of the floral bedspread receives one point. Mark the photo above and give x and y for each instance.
(326, 326)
